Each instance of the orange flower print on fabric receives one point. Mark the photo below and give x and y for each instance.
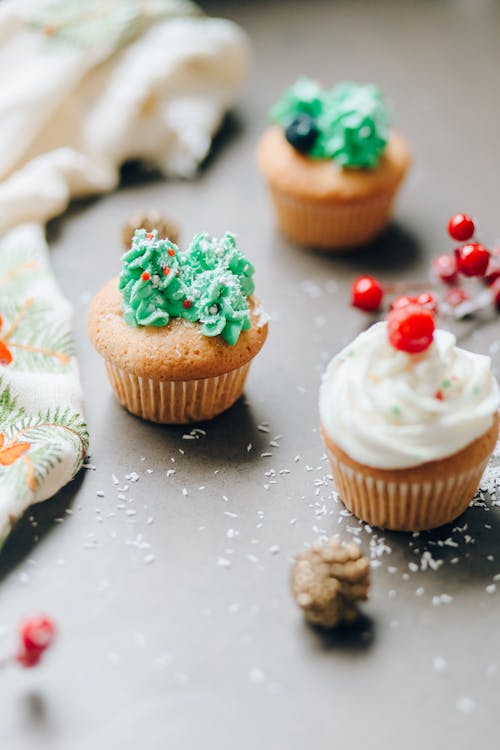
(11, 451)
(7, 345)
(5, 353)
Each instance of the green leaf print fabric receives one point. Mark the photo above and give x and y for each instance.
(43, 437)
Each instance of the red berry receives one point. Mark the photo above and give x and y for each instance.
(187, 304)
(445, 268)
(145, 276)
(171, 252)
(492, 272)
(455, 297)
(37, 633)
(495, 292)
(166, 271)
(411, 328)
(472, 259)
(461, 227)
(427, 300)
(366, 293)
(149, 235)
(403, 301)
(28, 658)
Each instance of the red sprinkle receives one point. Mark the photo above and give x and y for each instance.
(166, 271)
(187, 304)
(171, 252)
(145, 276)
(150, 235)
(439, 395)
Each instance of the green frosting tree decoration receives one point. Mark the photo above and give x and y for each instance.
(150, 280)
(209, 283)
(348, 124)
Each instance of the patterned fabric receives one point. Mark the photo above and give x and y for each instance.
(90, 84)
(43, 437)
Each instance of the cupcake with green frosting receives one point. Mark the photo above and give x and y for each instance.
(332, 163)
(178, 330)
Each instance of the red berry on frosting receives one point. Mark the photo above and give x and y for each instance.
(166, 271)
(472, 259)
(426, 299)
(411, 328)
(145, 276)
(366, 293)
(403, 301)
(445, 268)
(171, 252)
(461, 227)
(149, 235)
(187, 304)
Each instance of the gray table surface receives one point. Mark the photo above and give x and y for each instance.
(177, 629)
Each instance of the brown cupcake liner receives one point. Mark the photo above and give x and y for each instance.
(334, 225)
(177, 402)
(405, 505)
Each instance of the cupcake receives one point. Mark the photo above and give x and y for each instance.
(178, 330)
(332, 163)
(409, 421)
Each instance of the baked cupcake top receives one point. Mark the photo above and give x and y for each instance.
(175, 315)
(348, 124)
(393, 409)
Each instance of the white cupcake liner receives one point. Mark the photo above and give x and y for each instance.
(177, 402)
(402, 505)
(332, 225)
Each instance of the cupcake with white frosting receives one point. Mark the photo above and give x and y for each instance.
(409, 421)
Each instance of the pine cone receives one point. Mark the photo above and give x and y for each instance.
(328, 580)
(149, 220)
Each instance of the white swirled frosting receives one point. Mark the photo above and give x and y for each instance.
(390, 410)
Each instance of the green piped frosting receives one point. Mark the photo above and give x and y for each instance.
(353, 120)
(150, 301)
(209, 283)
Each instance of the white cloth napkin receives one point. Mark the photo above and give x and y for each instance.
(84, 86)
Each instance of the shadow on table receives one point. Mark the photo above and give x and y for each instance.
(227, 436)
(396, 249)
(357, 636)
(37, 522)
(466, 550)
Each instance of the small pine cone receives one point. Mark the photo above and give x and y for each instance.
(328, 580)
(149, 220)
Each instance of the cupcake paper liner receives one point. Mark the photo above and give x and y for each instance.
(177, 402)
(405, 505)
(334, 225)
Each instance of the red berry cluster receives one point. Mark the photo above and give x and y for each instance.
(469, 260)
(37, 634)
